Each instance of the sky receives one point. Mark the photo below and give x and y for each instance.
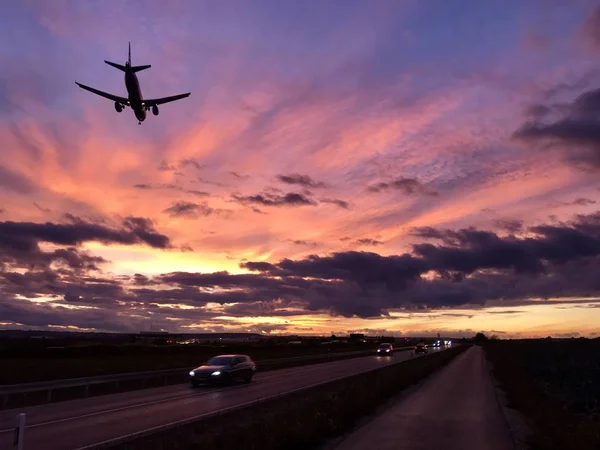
(390, 167)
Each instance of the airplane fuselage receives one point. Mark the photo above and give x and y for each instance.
(134, 94)
(134, 97)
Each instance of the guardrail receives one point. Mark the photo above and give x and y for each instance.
(8, 393)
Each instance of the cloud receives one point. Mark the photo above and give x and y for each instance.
(189, 209)
(576, 132)
(368, 241)
(408, 186)
(173, 187)
(238, 175)
(334, 201)
(584, 201)
(269, 199)
(190, 162)
(15, 182)
(302, 242)
(164, 166)
(512, 226)
(590, 29)
(302, 180)
(471, 267)
(27, 235)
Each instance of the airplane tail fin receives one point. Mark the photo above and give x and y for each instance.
(135, 68)
(138, 68)
(115, 65)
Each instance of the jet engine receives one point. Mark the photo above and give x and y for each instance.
(155, 110)
(118, 107)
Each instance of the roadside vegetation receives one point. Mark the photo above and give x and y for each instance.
(555, 384)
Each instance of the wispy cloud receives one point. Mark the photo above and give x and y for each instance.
(302, 180)
(408, 186)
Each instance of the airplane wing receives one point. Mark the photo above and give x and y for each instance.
(160, 101)
(114, 98)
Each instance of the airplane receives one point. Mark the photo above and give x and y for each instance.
(134, 95)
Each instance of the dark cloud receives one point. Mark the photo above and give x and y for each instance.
(238, 175)
(506, 312)
(270, 199)
(25, 236)
(408, 186)
(341, 203)
(214, 183)
(173, 187)
(368, 241)
(302, 180)
(183, 209)
(190, 162)
(471, 267)
(258, 309)
(467, 267)
(584, 202)
(15, 181)
(44, 210)
(512, 226)
(302, 242)
(166, 167)
(576, 132)
(190, 210)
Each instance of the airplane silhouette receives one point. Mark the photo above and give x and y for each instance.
(134, 94)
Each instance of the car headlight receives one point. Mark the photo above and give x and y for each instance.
(387, 351)
(192, 373)
(216, 374)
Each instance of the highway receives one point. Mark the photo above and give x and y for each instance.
(455, 409)
(79, 423)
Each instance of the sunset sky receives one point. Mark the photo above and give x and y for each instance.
(406, 167)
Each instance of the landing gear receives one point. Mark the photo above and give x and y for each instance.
(139, 123)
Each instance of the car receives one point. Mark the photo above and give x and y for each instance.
(224, 369)
(385, 349)
(420, 348)
(436, 344)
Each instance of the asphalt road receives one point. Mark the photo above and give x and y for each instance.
(455, 409)
(75, 424)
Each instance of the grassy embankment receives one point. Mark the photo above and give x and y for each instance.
(556, 385)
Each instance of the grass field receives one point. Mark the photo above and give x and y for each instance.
(556, 384)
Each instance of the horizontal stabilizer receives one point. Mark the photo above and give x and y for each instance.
(138, 68)
(115, 65)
